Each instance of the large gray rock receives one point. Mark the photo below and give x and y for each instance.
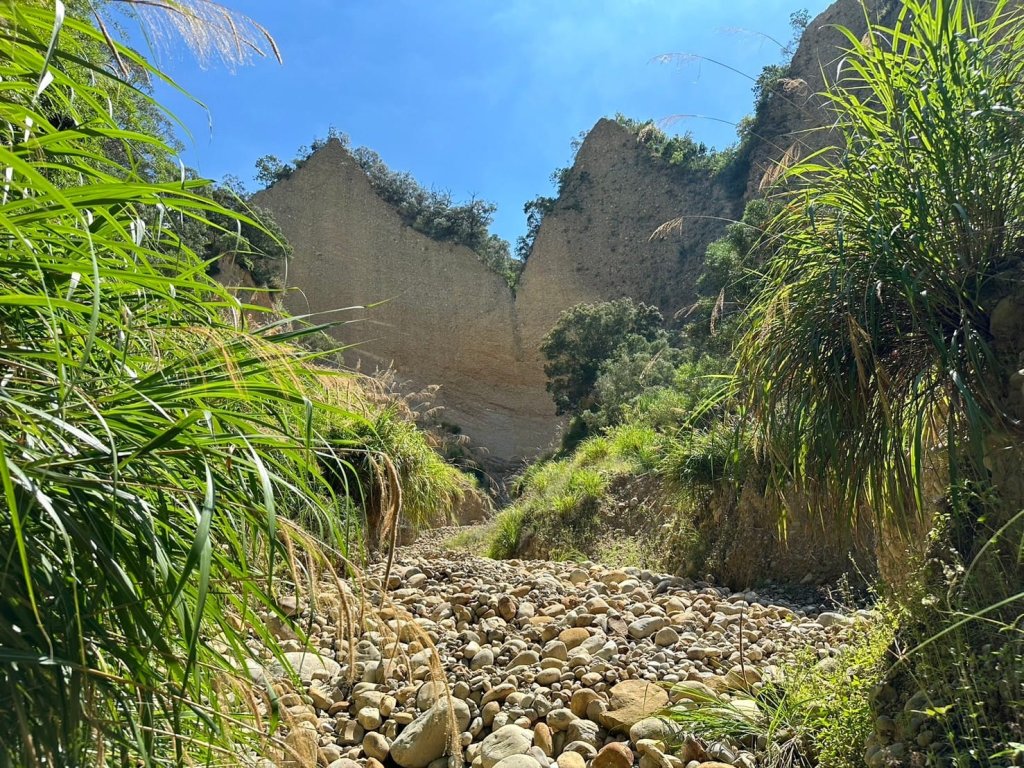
(647, 626)
(426, 738)
(506, 741)
(308, 666)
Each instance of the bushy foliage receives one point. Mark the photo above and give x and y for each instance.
(381, 459)
(681, 151)
(152, 449)
(158, 457)
(562, 501)
(636, 368)
(817, 711)
(729, 279)
(261, 250)
(584, 338)
(535, 211)
(874, 363)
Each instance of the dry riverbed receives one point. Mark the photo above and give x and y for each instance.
(546, 663)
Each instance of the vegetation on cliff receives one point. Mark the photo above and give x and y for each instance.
(430, 211)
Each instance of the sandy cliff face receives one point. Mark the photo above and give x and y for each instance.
(596, 244)
(446, 319)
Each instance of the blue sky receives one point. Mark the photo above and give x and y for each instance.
(477, 97)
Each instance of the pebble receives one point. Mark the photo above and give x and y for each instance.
(546, 663)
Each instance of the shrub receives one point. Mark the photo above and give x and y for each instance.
(508, 531)
(584, 338)
(878, 350)
(818, 712)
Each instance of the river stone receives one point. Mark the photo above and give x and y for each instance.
(506, 741)
(517, 761)
(559, 719)
(571, 760)
(587, 751)
(581, 699)
(573, 636)
(376, 746)
(320, 698)
(428, 694)
(584, 730)
(369, 718)
(656, 728)
(542, 739)
(300, 747)
(525, 658)
(614, 755)
(328, 754)
(665, 637)
(632, 701)
(547, 677)
(307, 666)
(482, 658)
(425, 739)
(647, 626)
(555, 650)
(507, 607)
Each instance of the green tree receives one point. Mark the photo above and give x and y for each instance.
(584, 338)
(636, 368)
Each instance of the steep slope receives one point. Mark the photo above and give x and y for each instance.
(448, 320)
(596, 244)
(445, 318)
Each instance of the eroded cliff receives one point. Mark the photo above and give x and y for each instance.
(446, 319)
(441, 317)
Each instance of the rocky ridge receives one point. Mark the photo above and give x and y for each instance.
(542, 665)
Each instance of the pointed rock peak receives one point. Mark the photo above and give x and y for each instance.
(606, 135)
(331, 151)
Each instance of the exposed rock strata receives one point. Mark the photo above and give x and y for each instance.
(447, 319)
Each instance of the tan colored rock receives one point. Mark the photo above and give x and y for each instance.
(614, 755)
(632, 701)
(376, 746)
(571, 760)
(581, 699)
(542, 738)
(300, 747)
(573, 636)
(508, 606)
(426, 738)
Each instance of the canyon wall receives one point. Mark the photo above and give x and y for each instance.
(441, 317)
(444, 318)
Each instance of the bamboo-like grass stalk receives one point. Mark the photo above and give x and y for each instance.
(154, 450)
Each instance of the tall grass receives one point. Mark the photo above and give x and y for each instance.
(870, 342)
(153, 449)
(881, 359)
